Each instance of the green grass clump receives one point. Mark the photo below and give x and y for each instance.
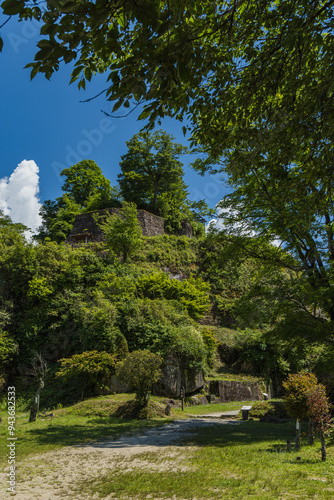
(132, 409)
(274, 409)
(103, 406)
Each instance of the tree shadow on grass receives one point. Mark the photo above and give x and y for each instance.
(95, 429)
(118, 433)
(249, 432)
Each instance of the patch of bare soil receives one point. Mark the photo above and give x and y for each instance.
(59, 474)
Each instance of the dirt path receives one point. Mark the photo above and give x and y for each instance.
(59, 474)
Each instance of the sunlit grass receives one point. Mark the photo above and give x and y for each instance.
(244, 460)
(230, 461)
(210, 408)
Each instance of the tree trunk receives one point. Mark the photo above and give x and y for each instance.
(310, 432)
(35, 404)
(155, 197)
(323, 446)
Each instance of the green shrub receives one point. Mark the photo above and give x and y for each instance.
(91, 367)
(192, 293)
(140, 370)
(268, 409)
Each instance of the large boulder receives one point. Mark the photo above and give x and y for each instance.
(175, 375)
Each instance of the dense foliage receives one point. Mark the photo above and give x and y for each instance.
(194, 298)
(297, 389)
(90, 367)
(254, 82)
(122, 231)
(85, 189)
(150, 169)
(305, 398)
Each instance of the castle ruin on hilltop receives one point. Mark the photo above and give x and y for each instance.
(86, 229)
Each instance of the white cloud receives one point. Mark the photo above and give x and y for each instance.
(19, 195)
(230, 221)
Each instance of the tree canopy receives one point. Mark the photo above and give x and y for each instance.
(84, 180)
(86, 189)
(152, 177)
(151, 168)
(231, 67)
(254, 79)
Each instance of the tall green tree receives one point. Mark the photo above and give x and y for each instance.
(281, 203)
(84, 180)
(151, 168)
(152, 177)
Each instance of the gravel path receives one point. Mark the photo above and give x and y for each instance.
(58, 474)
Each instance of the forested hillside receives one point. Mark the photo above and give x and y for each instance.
(205, 299)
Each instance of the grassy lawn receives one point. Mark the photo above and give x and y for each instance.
(81, 423)
(231, 461)
(211, 408)
(247, 460)
(89, 420)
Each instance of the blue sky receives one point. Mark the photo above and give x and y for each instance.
(44, 121)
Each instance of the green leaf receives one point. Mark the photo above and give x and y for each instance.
(75, 73)
(82, 84)
(12, 7)
(34, 71)
(117, 105)
(184, 72)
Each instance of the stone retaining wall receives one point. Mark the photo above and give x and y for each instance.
(85, 227)
(231, 390)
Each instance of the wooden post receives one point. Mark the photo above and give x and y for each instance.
(297, 441)
(310, 432)
(323, 445)
(183, 393)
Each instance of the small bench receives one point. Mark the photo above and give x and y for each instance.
(245, 412)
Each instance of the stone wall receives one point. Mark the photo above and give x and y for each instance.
(231, 390)
(151, 225)
(85, 227)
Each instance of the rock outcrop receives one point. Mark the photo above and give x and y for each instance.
(175, 376)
